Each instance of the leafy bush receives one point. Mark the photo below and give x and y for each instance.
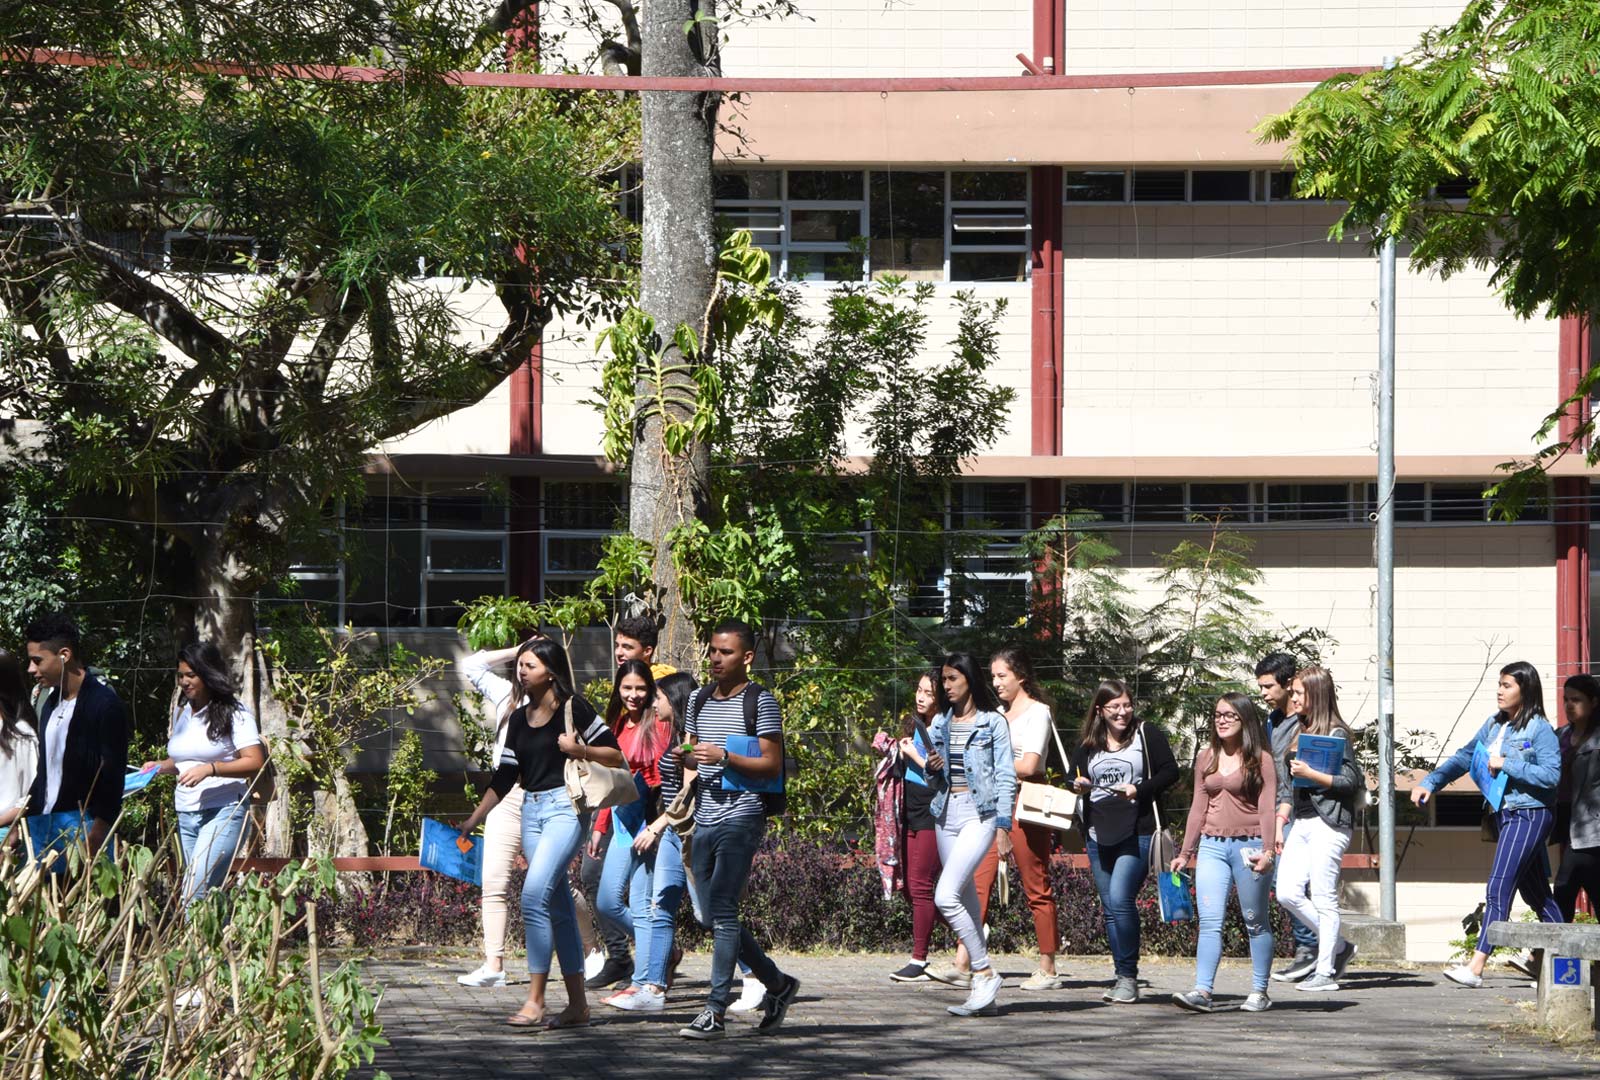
(92, 962)
(801, 895)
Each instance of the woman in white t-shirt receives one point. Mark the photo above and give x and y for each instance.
(215, 751)
(19, 743)
(1027, 715)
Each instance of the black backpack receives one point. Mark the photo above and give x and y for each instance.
(773, 802)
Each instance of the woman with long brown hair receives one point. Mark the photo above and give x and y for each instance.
(921, 831)
(1122, 768)
(1230, 841)
(19, 742)
(1324, 817)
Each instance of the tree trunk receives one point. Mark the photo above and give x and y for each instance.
(224, 612)
(679, 277)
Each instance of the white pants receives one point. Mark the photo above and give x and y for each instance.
(964, 839)
(1308, 881)
(502, 843)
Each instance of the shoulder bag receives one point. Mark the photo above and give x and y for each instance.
(1045, 805)
(1162, 849)
(594, 786)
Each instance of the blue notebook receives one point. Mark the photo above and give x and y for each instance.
(1324, 753)
(138, 781)
(733, 780)
(441, 854)
(1492, 786)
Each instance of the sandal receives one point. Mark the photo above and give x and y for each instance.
(560, 1021)
(522, 1019)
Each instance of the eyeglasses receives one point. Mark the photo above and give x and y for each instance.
(1116, 708)
(1219, 716)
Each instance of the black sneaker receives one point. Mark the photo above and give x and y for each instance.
(612, 973)
(1342, 957)
(1303, 964)
(913, 972)
(705, 1027)
(775, 1006)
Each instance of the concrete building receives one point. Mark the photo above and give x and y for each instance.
(1182, 336)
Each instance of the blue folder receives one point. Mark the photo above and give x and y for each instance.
(1324, 753)
(441, 855)
(138, 781)
(1492, 786)
(733, 780)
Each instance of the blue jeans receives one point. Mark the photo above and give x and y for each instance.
(722, 855)
(209, 839)
(700, 900)
(667, 881)
(628, 894)
(1119, 872)
(1219, 867)
(1305, 937)
(552, 832)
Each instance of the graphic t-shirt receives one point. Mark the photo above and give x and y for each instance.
(1112, 768)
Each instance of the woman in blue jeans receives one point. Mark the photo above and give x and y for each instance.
(537, 749)
(1519, 743)
(1230, 840)
(214, 749)
(655, 852)
(1122, 768)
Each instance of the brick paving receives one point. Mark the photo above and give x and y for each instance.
(1392, 1021)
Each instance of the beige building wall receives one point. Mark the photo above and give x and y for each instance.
(1117, 36)
(481, 427)
(1240, 329)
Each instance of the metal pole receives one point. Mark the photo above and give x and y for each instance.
(1386, 867)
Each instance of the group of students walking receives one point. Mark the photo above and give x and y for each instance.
(1261, 818)
(686, 832)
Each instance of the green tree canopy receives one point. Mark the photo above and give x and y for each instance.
(1504, 103)
(218, 293)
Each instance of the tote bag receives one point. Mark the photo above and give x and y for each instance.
(1046, 805)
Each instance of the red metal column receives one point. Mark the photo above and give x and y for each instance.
(1572, 517)
(1045, 335)
(527, 405)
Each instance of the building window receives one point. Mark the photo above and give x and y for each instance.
(577, 517)
(908, 225)
(846, 225)
(1307, 502)
(1280, 188)
(1163, 186)
(1097, 186)
(1221, 185)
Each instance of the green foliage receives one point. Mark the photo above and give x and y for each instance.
(90, 986)
(1507, 97)
(495, 622)
(337, 694)
(408, 781)
(222, 393)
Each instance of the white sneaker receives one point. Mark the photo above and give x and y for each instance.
(643, 999)
(1463, 975)
(981, 1001)
(1258, 1001)
(593, 963)
(482, 977)
(750, 1000)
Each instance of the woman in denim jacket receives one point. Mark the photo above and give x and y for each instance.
(1521, 744)
(974, 786)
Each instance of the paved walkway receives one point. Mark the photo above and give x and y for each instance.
(851, 1021)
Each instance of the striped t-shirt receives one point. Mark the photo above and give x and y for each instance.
(713, 723)
(956, 739)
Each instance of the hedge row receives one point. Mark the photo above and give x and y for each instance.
(801, 896)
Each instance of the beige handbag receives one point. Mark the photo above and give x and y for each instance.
(1045, 805)
(594, 786)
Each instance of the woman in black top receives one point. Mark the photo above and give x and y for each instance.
(1121, 769)
(921, 846)
(538, 747)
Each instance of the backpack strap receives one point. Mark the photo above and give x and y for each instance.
(698, 702)
(752, 702)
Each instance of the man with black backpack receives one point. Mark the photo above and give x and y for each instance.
(737, 735)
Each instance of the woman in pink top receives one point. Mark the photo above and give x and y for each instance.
(623, 899)
(1230, 840)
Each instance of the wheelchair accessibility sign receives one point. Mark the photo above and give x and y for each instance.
(1566, 971)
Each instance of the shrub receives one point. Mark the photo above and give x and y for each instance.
(801, 895)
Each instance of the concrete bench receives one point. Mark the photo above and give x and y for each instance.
(1568, 972)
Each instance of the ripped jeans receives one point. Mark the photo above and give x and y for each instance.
(1217, 867)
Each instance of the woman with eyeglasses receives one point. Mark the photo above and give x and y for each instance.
(1122, 767)
(1230, 840)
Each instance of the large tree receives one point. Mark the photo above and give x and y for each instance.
(1502, 107)
(218, 292)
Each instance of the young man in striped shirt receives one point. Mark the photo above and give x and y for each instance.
(729, 823)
